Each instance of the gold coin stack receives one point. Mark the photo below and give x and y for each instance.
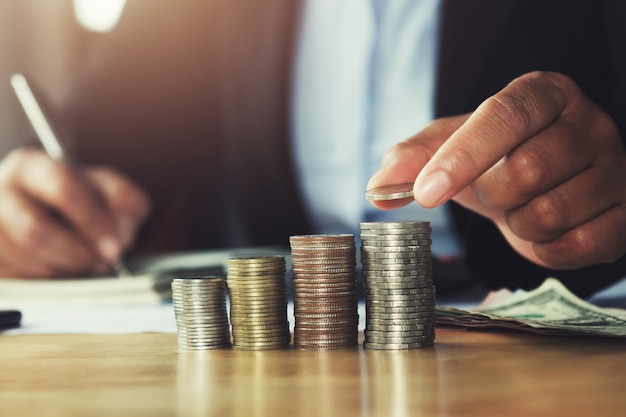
(399, 290)
(324, 286)
(258, 303)
(200, 310)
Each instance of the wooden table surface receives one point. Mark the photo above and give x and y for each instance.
(467, 373)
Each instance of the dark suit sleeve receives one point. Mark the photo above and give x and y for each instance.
(616, 45)
(487, 43)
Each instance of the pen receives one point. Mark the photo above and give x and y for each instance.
(48, 137)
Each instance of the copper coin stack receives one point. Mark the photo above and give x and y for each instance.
(399, 290)
(258, 303)
(324, 286)
(200, 310)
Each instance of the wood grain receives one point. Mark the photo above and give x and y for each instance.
(466, 373)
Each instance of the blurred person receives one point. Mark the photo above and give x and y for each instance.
(246, 122)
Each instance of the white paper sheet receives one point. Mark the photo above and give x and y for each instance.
(96, 319)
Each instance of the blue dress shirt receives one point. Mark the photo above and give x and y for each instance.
(364, 78)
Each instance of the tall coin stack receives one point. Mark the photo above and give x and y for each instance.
(258, 302)
(324, 286)
(399, 290)
(200, 310)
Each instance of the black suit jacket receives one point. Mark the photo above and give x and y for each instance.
(198, 91)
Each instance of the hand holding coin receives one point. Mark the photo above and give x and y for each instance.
(390, 192)
(539, 159)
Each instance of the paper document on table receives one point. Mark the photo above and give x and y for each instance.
(549, 309)
(150, 284)
(22, 293)
(110, 304)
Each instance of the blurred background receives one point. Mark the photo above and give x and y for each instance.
(44, 38)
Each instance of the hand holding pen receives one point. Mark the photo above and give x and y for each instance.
(57, 218)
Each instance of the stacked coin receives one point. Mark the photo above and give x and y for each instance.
(399, 290)
(324, 286)
(258, 302)
(200, 310)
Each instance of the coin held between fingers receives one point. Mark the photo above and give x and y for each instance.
(390, 192)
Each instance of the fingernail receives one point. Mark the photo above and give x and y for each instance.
(433, 188)
(109, 248)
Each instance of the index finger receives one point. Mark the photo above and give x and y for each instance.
(524, 107)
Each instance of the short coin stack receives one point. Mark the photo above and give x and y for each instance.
(200, 310)
(325, 298)
(258, 302)
(399, 291)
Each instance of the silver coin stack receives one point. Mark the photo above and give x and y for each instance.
(258, 303)
(200, 310)
(324, 286)
(399, 290)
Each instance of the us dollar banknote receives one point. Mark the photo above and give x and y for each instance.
(549, 309)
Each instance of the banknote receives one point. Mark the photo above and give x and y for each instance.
(549, 309)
